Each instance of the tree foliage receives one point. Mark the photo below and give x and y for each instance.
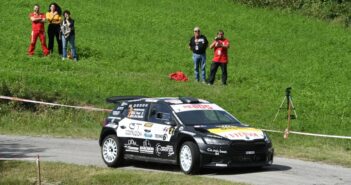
(332, 10)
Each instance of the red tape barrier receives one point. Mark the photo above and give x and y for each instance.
(108, 110)
(53, 104)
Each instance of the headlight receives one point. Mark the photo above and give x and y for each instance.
(266, 138)
(213, 141)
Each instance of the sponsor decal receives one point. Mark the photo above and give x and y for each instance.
(158, 136)
(147, 135)
(140, 105)
(148, 125)
(174, 101)
(238, 133)
(136, 113)
(200, 126)
(116, 113)
(134, 133)
(250, 152)
(171, 131)
(146, 148)
(120, 108)
(217, 151)
(189, 107)
(166, 149)
(134, 126)
(221, 165)
(131, 146)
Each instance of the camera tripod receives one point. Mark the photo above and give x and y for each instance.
(290, 105)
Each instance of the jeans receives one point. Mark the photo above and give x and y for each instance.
(71, 40)
(200, 62)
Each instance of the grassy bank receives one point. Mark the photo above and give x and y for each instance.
(129, 48)
(18, 173)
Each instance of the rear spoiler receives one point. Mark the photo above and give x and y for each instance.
(117, 99)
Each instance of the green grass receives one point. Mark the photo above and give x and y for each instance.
(129, 48)
(18, 173)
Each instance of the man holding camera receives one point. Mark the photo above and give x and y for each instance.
(198, 45)
(220, 58)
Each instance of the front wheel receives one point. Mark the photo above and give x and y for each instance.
(189, 158)
(111, 151)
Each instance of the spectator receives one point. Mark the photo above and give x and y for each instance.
(38, 30)
(53, 16)
(198, 45)
(220, 58)
(68, 35)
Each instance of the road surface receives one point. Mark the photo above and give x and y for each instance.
(87, 152)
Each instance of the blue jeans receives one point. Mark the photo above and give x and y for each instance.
(71, 41)
(199, 62)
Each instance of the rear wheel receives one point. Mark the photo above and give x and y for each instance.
(189, 158)
(111, 151)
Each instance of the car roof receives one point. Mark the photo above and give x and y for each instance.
(168, 100)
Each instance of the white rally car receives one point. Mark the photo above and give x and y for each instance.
(191, 132)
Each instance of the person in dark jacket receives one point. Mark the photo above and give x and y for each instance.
(68, 35)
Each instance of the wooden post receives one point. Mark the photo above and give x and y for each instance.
(286, 132)
(38, 171)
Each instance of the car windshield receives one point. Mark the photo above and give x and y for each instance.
(206, 117)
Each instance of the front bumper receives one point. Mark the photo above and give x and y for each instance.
(237, 154)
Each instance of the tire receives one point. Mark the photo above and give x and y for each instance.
(189, 158)
(111, 151)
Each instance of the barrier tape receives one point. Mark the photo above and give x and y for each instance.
(310, 134)
(108, 110)
(54, 104)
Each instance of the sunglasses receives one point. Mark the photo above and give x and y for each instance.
(197, 31)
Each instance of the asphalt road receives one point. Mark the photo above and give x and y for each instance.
(87, 152)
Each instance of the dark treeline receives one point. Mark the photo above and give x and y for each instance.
(332, 10)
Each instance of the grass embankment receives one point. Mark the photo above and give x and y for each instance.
(129, 48)
(18, 173)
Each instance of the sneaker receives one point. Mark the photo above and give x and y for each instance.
(75, 59)
(63, 58)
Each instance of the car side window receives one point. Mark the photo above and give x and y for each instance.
(160, 113)
(136, 111)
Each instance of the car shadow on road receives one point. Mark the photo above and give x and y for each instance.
(206, 171)
(237, 171)
(18, 151)
(141, 165)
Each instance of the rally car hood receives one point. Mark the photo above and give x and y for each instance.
(234, 132)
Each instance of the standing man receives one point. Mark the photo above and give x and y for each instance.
(198, 45)
(220, 58)
(38, 30)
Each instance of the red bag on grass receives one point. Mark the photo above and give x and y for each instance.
(178, 76)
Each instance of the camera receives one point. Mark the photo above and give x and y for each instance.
(217, 38)
(288, 91)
